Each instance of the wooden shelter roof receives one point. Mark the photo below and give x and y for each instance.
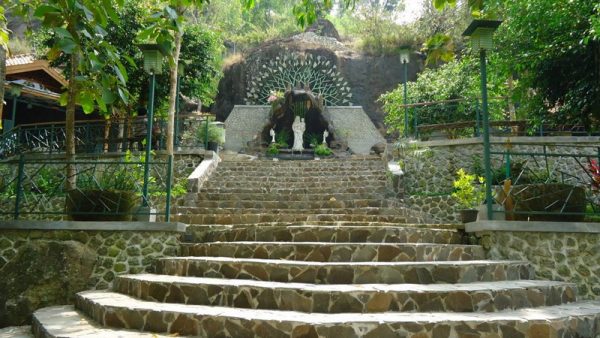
(26, 67)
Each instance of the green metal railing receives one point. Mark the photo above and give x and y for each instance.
(97, 136)
(34, 188)
(460, 118)
(544, 184)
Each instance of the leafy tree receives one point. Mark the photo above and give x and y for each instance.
(79, 28)
(3, 50)
(554, 51)
(456, 81)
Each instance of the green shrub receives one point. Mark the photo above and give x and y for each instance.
(215, 134)
(468, 189)
(322, 150)
(273, 149)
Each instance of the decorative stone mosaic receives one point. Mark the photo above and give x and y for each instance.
(359, 233)
(344, 272)
(119, 311)
(572, 257)
(285, 217)
(118, 252)
(472, 297)
(336, 252)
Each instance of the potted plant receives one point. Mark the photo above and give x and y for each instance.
(215, 137)
(109, 193)
(469, 194)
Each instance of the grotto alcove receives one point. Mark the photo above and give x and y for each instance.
(298, 102)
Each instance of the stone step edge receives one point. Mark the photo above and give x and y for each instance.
(376, 288)
(350, 225)
(114, 302)
(341, 244)
(284, 262)
(66, 321)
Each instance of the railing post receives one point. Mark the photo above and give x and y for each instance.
(405, 99)
(19, 185)
(169, 181)
(148, 139)
(416, 121)
(206, 134)
(486, 135)
(508, 173)
(477, 119)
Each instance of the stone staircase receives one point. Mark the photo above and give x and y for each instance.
(315, 249)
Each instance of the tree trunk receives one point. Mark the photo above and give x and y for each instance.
(173, 92)
(2, 77)
(71, 182)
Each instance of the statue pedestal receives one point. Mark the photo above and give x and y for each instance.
(288, 154)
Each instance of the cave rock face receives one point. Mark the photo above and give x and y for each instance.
(340, 75)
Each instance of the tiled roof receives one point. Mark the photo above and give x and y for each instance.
(22, 59)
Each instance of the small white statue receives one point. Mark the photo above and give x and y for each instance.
(272, 133)
(325, 134)
(298, 127)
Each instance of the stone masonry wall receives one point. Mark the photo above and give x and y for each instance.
(560, 256)
(40, 268)
(428, 177)
(118, 252)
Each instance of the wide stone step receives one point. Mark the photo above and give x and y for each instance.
(310, 165)
(215, 184)
(295, 191)
(118, 310)
(336, 252)
(311, 204)
(336, 210)
(345, 272)
(65, 321)
(350, 176)
(212, 218)
(362, 298)
(342, 233)
(277, 197)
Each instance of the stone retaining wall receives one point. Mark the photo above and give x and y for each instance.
(46, 263)
(558, 251)
(428, 177)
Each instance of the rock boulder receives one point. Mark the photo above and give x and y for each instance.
(43, 273)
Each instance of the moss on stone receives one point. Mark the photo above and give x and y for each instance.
(120, 267)
(113, 251)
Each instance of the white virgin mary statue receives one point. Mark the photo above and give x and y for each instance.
(298, 127)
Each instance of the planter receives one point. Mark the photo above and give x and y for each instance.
(214, 146)
(544, 202)
(100, 205)
(468, 215)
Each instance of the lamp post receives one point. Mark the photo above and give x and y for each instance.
(405, 59)
(481, 33)
(180, 73)
(152, 65)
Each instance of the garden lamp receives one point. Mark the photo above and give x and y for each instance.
(405, 59)
(481, 33)
(152, 58)
(152, 65)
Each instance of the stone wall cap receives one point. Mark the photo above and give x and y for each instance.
(534, 226)
(93, 226)
(527, 140)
